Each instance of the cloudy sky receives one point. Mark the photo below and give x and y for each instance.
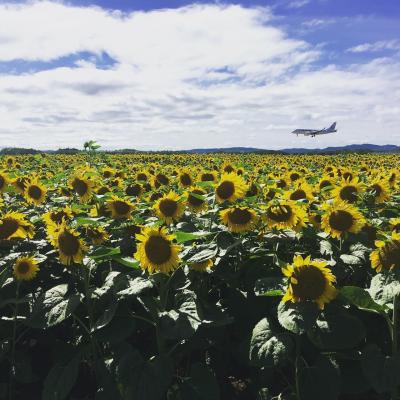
(175, 74)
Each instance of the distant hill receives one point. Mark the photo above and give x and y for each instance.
(349, 148)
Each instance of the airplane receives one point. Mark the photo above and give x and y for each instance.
(315, 132)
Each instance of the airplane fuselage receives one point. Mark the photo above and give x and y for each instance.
(315, 132)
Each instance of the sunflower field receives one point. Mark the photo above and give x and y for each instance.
(200, 277)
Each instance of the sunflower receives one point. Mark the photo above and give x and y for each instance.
(239, 219)
(349, 190)
(325, 184)
(119, 207)
(230, 188)
(35, 193)
(70, 247)
(134, 190)
(285, 215)
(341, 217)
(185, 178)
(387, 254)
(202, 266)
(301, 191)
(58, 216)
(195, 200)
(395, 224)
(142, 176)
(156, 252)
(20, 183)
(169, 207)
(97, 234)
(25, 268)
(14, 225)
(83, 187)
(309, 280)
(379, 190)
(209, 176)
(3, 181)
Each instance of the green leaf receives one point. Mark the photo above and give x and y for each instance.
(104, 252)
(87, 221)
(384, 287)
(325, 247)
(298, 317)
(61, 379)
(361, 298)
(321, 381)
(337, 329)
(53, 307)
(136, 287)
(270, 287)
(203, 255)
(127, 262)
(182, 237)
(267, 348)
(350, 259)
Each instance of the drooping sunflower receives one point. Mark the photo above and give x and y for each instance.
(83, 187)
(119, 208)
(70, 247)
(4, 181)
(58, 215)
(348, 190)
(379, 190)
(14, 225)
(195, 200)
(230, 188)
(156, 252)
(395, 224)
(387, 255)
(202, 266)
(97, 234)
(169, 207)
(285, 215)
(341, 217)
(25, 268)
(35, 193)
(309, 280)
(239, 219)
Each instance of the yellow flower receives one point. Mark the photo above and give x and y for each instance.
(230, 188)
(202, 266)
(169, 207)
(4, 181)
(239, 219)
(25, 268)
(285, 215)
(348, 190)
(119, 207)
(35, 193)
(156, 252)
(83, 187)
(14, 225)
(195, 200)
(340, 218)
(97, 234)
(309, 280)
(387, 254)
(379, 190)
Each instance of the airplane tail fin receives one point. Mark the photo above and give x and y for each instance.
(333, 126)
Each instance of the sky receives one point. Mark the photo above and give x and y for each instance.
(174, 74)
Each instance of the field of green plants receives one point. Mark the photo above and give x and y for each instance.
(200, 277)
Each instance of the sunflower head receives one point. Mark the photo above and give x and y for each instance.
(35, 193)
(285, 215)
(83, 187)
(14, 225)
(309, 280)
(387, 254)
(230, 188)
(239, 219)
(348, 190)
(195, 200)
(185, 178)
(25, 268)
(4, 181)
(119, 208)
(169, 207)
(156, 251)
(379, 190)
(340, 218)
(202, 266)
(97, 234)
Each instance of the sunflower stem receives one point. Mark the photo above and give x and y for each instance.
(14, 335)
(395, 321)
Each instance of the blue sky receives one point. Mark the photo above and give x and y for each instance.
(178, 74)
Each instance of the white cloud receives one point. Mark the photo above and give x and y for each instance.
(199, 76)
(298, 3)
(376, 46)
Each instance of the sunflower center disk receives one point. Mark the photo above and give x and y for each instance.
(311, 283)
(34, 192)
(349, 193)
(168, 207)
(162, 179)
(298, 194)
(225, 190)
(279, 213)
(2, 181)
(195, 201)
(57, 216)
(80, 186)
(239, 216)
(375, 190)
(68, 243)
(324, 184)
(341, 220)
(158, 250)
(133, 190)
(121, 208)
(348, 175)
(207, 177)
(186, 180)
(23, 267)
(8, 227)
